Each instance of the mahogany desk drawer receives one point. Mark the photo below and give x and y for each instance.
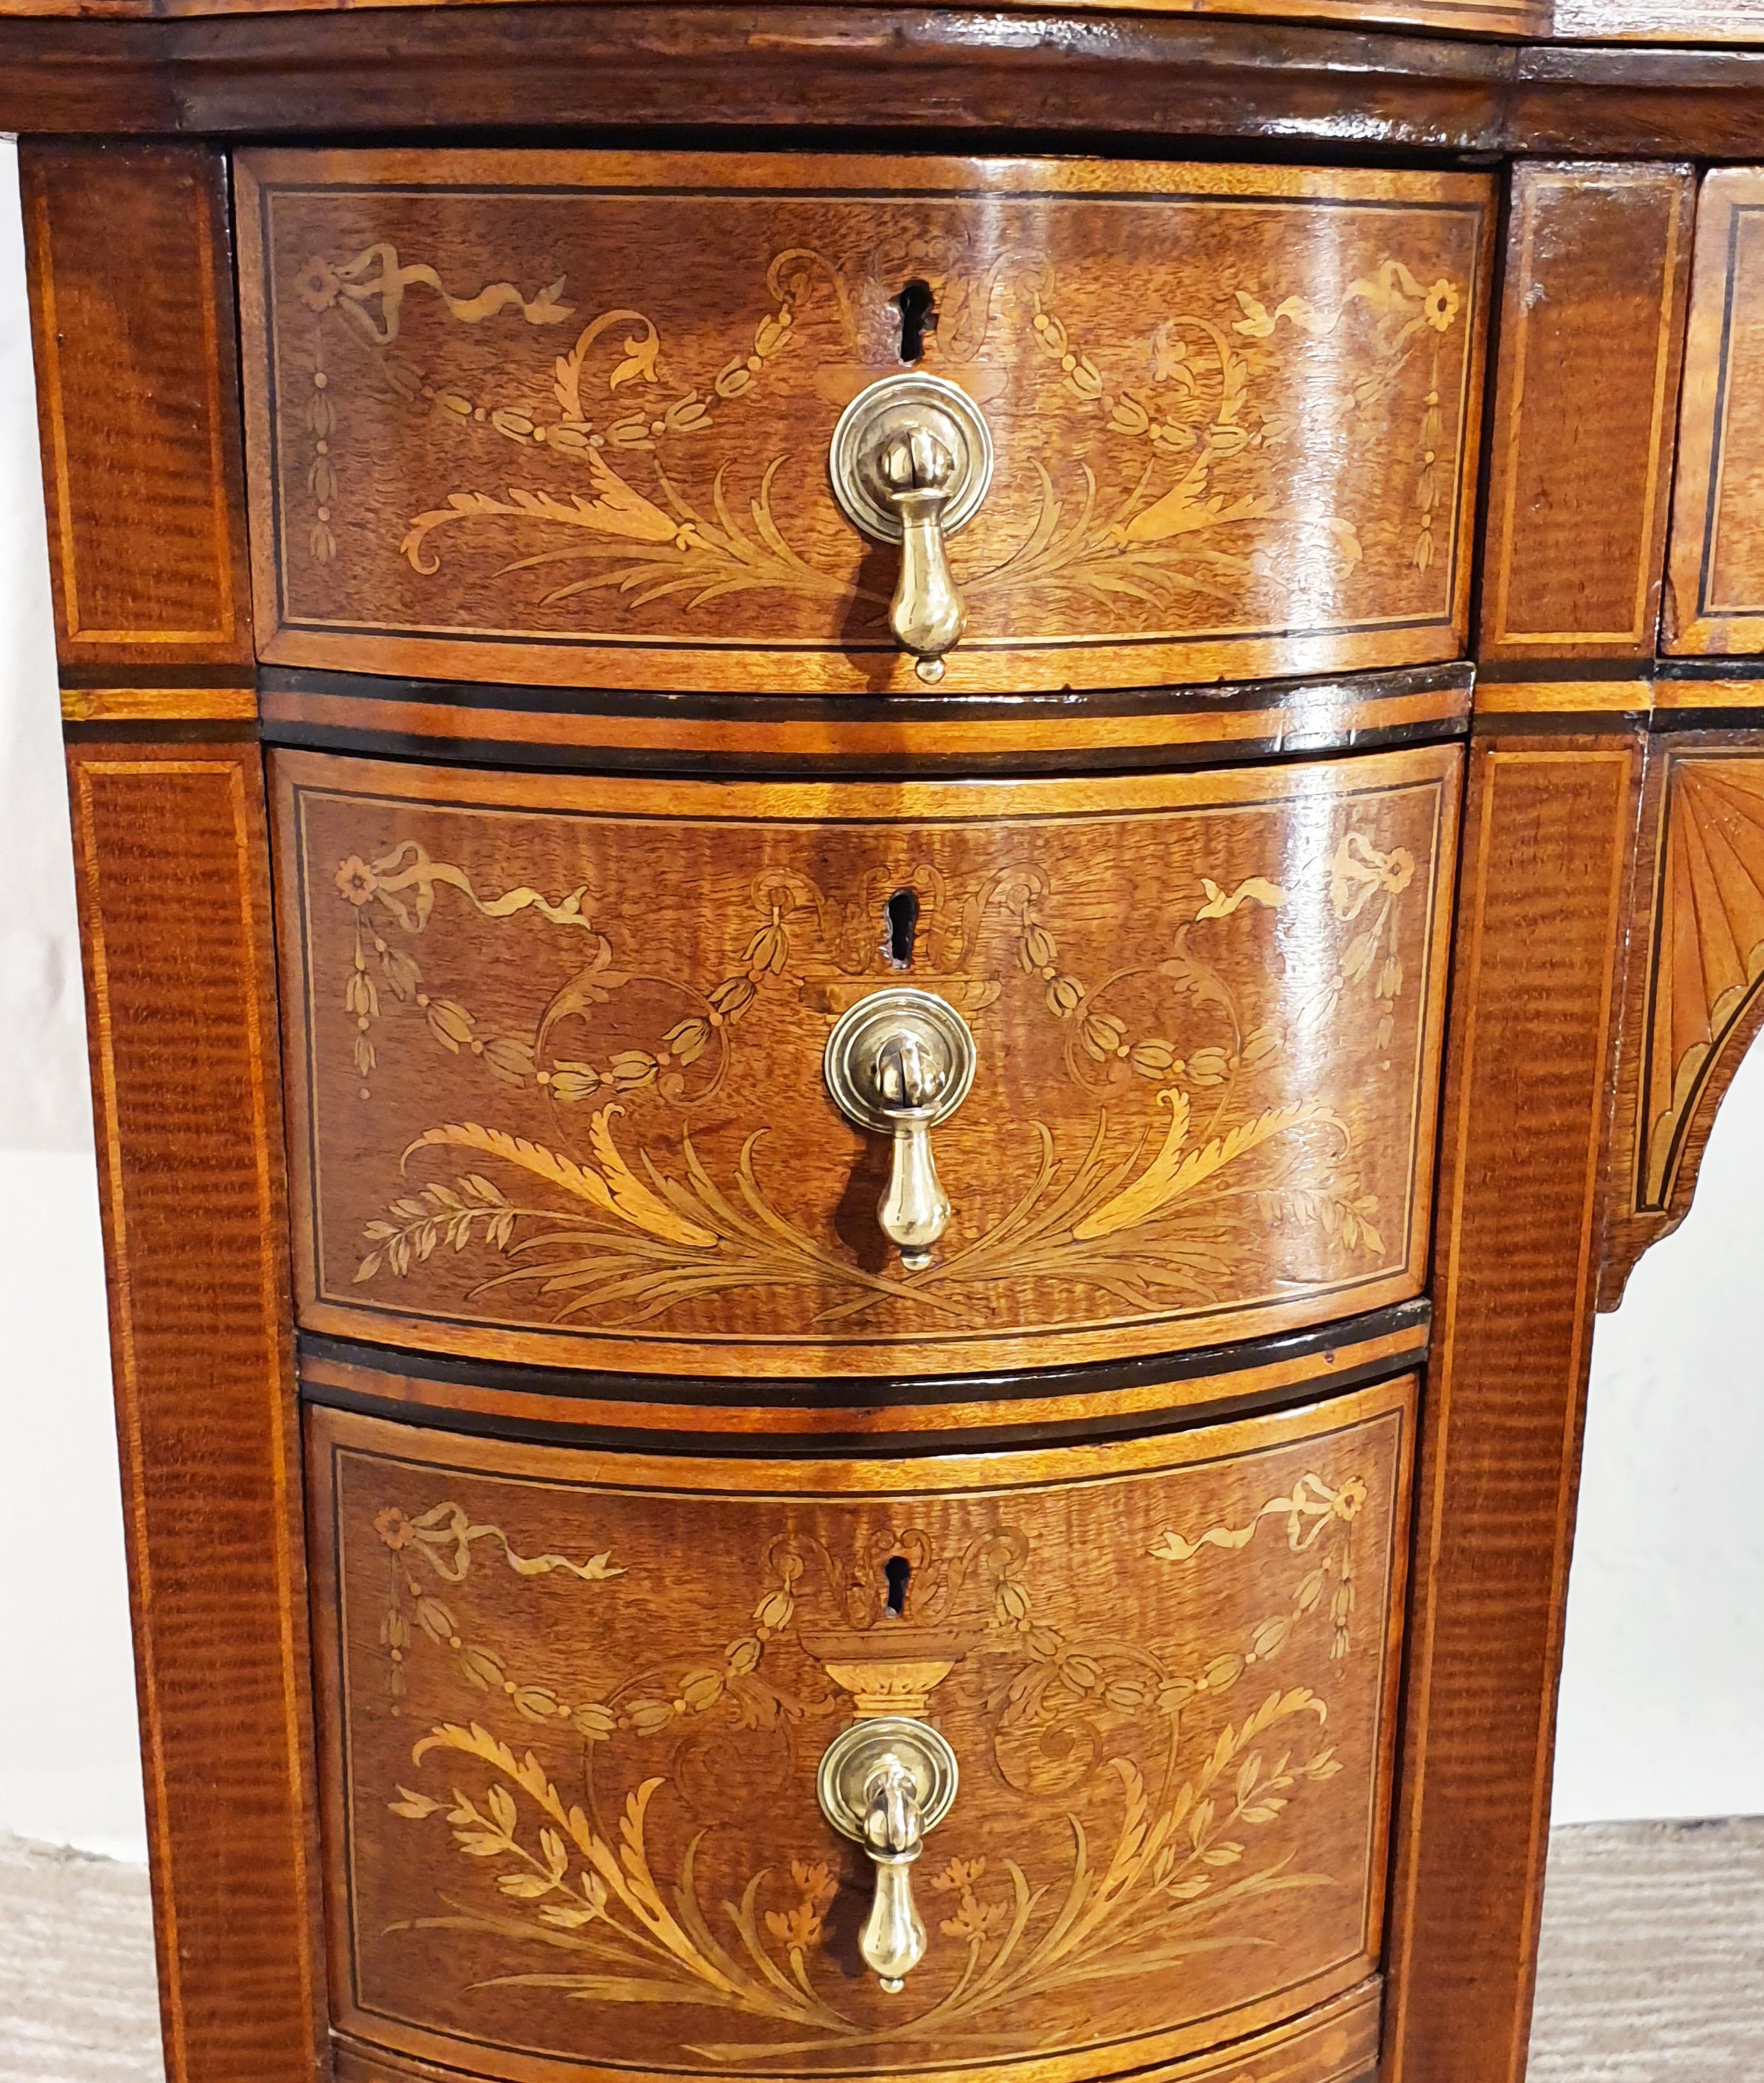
(565, 417)
(557, 1091)
(572, 1707)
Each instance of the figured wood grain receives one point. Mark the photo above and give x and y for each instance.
(1183, 1645)
(1717, 554)
(1592, 333)
(1527, 696)
(158, 705)
(1207, 1010)
(728, 735)
(965, 1411)
(564, 417)
(1693, 1005)
(1666, 21)
(1338, 2043)
(133, 324)
(1518, 18)
(919, 71)
(1549, 831)
(173, 884)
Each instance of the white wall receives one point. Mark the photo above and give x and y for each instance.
(1663, 1708)
(1663, 1683)
(68, 1766)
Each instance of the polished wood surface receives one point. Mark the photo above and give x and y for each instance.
(1547, 833)
(132, 304)
(1663, 21)
(909, 734)
(1514, 17)
(175, 704)
(1717, 562)
(1336, 2042)
(1601, 969)
(1167, 1669)
(1596, 279)
(1696, 960)
(173, 870)
(912, 1414)
(1206, 1008)
(564, 417)
(793, 73)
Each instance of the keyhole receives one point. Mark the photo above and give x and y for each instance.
(918, 316)
(898, 1570)
(902, 909)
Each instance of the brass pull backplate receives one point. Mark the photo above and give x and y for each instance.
(900, 1061)
(911, 461)
(887, 1783)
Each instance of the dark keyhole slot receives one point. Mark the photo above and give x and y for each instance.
(903, 923)
(918, 316)
(898, 1570)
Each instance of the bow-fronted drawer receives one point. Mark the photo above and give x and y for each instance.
(575, 418)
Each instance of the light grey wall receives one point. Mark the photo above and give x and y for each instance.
(1663, 1709)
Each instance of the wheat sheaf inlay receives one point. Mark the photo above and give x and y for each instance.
(575, 1910)
(624, 1222)
(1195, 412)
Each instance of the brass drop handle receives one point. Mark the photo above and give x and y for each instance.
(887, 1782)
(913, 1209)
(926, 613)
(900, 1061)
(910, 462)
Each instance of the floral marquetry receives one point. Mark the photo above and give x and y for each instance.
(557, 1047)
(558, 418)
(575, 1828)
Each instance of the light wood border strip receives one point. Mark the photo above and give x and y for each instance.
(981, 735)
(1736, 694)
(1005, 1473)
(1533, 186)
(1490, 18)
(426, 1397)
(1694, 628)
(52, 173)
(196, 1221)
(972, 669)
(1550, 830)
(844, 1475)
(1336, 2042)
(1001, 173)
(836, 801)
(158, 705)
(975, 667)
(1564, 697)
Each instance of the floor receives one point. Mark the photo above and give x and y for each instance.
(1651, 1970)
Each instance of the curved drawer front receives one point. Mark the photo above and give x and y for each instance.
(565, 417)
(556, 1060)
(573, 1706)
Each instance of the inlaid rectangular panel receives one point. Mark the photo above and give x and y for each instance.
(555, 1058)
(565, 417)
(131, 299)
(173, 867)
(1591, 337)
(1550, 825)
(1716, 563)
(573, 1706)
